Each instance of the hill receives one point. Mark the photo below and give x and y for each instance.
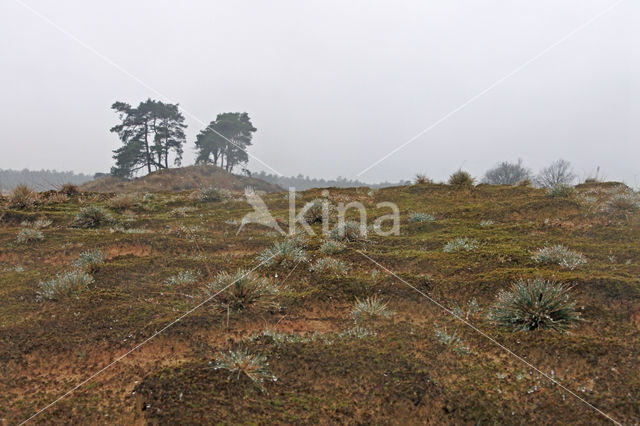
(375, 330)
(180, 179)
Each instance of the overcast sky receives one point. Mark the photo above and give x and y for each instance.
(332, 86)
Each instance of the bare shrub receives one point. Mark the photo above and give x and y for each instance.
(507, 173)
(559, 172)
(421, 179)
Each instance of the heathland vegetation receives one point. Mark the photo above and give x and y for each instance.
(339, 326)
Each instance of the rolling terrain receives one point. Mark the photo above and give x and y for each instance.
(148, 335)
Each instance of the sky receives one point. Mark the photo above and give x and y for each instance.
(332, 86)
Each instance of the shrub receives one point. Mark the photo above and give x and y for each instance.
(29, 235)
(507, 173)
(534, 304)
(90, 260)
(122, 201)
(208, 195)
(452, 340)
(314, 211)
(242, 290)
(422, 179)
(68, 189)
(241, 362)
(560, 255)
(283, 253)
(23, 197)
(348, 231)
(68, 284)
(330, 265)
(421, 217)
(369, 308)
(622, 204)
(332, 247)
(460, 244)
(561, 191)
(182, 277)
(558, 173)
(461, 179)
(92, 217)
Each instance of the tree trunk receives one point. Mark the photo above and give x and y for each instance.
(146, 146)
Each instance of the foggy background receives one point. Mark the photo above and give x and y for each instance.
(332, 86)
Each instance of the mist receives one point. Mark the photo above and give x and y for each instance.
(332, 87)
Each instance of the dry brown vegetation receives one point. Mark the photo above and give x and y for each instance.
(416, 365)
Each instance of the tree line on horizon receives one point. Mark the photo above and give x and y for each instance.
(154, 130)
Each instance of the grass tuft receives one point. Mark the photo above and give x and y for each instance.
(284, 253)
(421, 218)
(242, 290)
(460, 244)
(330, 265)
(560, 255)
(535, 304)
(241, 362)
(370, 308)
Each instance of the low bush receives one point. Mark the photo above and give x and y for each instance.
(314, 211)
(90, 260)
(29, 235)
(23, 197)
(65, 285)
(461, 179)
(348, 231)
(332, 247)
(421, 217)
(535, 304)
(421, 179)
(68, 189)
(92, 217)
(460, 244)
(560, 255)
(208, 195)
